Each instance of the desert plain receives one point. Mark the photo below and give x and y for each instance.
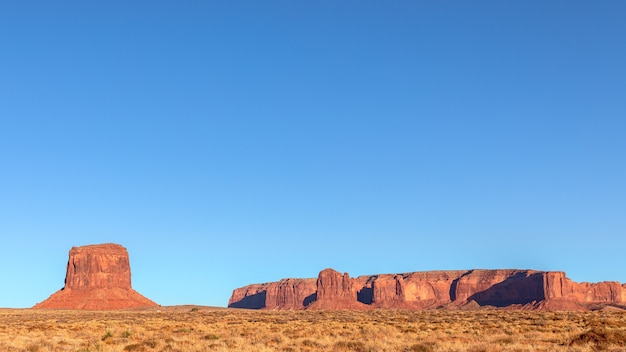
(97, 310)
(198, 328)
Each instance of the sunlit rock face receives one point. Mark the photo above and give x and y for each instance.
(450, 289)
(284, 294)
(97, 278)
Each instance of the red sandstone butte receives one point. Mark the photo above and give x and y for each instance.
(97, 278)
(453, 289)
(335, 291)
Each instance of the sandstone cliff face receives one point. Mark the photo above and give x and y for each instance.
(559, 287)
(93, 266)
(334, 286)
(388, 289)
(336, 291)
(527, 289)
(291, 294)
(251, 296)
(418, 290)
(284, 294)
(500, 288)
(97, 278)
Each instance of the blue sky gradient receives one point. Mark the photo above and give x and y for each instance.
(236, 142)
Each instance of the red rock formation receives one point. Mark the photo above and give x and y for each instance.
(334, 286)
(284, 294)
(527, 289)
(291, 294)
(388, 290)
(336, 291)
(418, 290)
(97, 278)
(251, 296)
(559, 287)
(500, 288)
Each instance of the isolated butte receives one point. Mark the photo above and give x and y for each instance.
(97, 278)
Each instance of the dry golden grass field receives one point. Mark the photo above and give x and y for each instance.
(213, 329)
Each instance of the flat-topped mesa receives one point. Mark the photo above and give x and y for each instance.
(104, 265)
(284, 294)
(416, 290)
(97, 278)
(291, 294)
(559, 287)
(502, 288)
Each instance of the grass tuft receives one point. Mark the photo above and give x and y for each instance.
(107, 335)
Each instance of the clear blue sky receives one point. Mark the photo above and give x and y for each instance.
(232, 142)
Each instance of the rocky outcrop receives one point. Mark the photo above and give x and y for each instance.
(418, 290)
(284, 294)
(335, 291)
(560, 287)
(500, 288)
(97, 278)
(509, 288)
(332, 285)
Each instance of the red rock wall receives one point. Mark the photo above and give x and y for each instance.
(291, 294)
(418, 290)
(336, 291)
(251, 296)
(388, 289)
(97, 278)
(500, 288)
(284, 294)
(559, 287)
(332, 285)
(434, 289)
(93, 266)
(554, 285)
